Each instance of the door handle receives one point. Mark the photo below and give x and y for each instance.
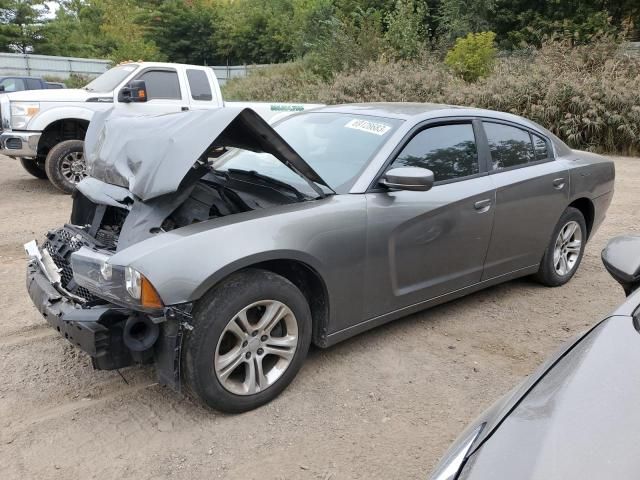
(184, 109)
(558, 183)
(482, 205)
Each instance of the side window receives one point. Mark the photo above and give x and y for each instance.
(540, 147)
(449, 151)
(199, 85)
(162, 84)
(33, 84)
(12, 84)
(509, 146)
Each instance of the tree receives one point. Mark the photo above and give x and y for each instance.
(472, 57)
(185, 31)
(406, 32)
(457, 18)
(21, 24)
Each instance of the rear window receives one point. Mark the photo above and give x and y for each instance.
(199, 85)
(509, 146)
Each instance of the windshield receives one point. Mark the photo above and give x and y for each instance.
(337, 146)
(109, 80)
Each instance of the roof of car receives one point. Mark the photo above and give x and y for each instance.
(401, 110)
(417, 112)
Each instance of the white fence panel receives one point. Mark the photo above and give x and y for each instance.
(41, 65)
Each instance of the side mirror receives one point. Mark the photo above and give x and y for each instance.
(1, 88)
(621, 258)
(408, 178)
(136, 91)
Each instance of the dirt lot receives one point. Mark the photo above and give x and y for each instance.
(384, 405)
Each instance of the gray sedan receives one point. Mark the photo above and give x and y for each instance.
(577, 416)
(220, 248)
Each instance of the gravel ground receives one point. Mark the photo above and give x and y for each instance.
(385, 404)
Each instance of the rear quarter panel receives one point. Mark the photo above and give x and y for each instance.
(592, 176)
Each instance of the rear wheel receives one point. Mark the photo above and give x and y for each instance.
(34, 167)
(251, 335)
(565, 250)
(65, 165)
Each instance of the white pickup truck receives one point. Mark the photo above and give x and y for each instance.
(44, 129)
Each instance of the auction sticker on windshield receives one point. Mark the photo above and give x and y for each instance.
(368, 126)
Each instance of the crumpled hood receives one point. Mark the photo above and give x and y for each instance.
(580, 421)
(150, 155)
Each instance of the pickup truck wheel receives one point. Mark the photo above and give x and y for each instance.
(65, 165)
(250, 336)
(34, 167)
(564, 252)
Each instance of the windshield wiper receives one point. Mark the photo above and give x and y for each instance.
(269, 181)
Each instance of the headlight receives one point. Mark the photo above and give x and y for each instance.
(22, 113)
(122, 285)
(450, 465)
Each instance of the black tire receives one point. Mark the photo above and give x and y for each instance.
(34, 167)
(548, 274)
(211, 317)
(56, 161)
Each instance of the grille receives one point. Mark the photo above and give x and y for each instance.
(61, 244)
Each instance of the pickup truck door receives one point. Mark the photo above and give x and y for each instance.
(166, 92)
(201, 88)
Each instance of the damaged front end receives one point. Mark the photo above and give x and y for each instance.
(148, 176)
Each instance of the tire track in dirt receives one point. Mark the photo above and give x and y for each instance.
(33, 334)
(32, 418)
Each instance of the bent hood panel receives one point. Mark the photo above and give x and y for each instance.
(150, 155)
(580, 421)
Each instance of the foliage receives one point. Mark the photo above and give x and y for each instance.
(21, 24)
(588, 95)
(186, 32)
(406, 32)
(472, 57)
(346, 44)
(457, 18)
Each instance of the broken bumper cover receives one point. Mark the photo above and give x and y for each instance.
(91, 329)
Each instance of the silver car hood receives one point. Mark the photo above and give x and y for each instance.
(150, 155)
(581, 420)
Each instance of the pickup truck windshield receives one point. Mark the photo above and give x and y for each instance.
(109, 80)
(337, 146)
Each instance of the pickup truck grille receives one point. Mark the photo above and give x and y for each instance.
(61, 244)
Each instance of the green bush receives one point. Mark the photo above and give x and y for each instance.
(473, 56)
(587, 95)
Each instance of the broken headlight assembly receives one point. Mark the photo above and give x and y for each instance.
(122, 285)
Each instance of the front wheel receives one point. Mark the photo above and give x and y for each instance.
(65, 165)
(34, 167)
(251, 335)
(565, 250)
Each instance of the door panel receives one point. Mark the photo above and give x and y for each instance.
(529, 202)
(423, 244)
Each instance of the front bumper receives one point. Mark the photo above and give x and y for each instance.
(19, 144)
(95, 330)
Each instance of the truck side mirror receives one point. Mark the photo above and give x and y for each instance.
(135, 91)
(1, 88)
(621, 258)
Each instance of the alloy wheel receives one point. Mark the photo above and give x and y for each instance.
(73, 167)
(567, 248)
(256, 347)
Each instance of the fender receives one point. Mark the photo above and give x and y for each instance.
(41, 121)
